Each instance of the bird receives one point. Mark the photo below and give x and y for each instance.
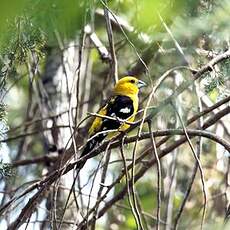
(122, 105)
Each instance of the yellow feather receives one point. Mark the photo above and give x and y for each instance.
(95, 127)
(127, 86)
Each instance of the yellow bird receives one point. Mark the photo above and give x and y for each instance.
(122, 105)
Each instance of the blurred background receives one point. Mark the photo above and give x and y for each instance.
(58, 63)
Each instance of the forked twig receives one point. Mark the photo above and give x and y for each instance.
(158, 174)
(199, 166)
(127, 178)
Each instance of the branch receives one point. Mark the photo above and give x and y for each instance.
(36, 160)
(102, 50)
(45, 183)
(162, 153)
(113, 63)
(199, 166)
(158, 175)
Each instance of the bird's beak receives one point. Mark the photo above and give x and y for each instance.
(141, 84)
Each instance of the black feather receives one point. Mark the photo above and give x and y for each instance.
(114, 107)
(92, 143)
(113, 110)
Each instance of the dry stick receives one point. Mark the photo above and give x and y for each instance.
(53, 211)
(55, 174)
(162, 154)
(135, 149)
(218, 115)
(54, 158)
(127, 181)
(86, 83)
(73, 120)
(143, 212)
(140, 207)
(199, 166)
(102, 50)
(224, 126)
(139, 221)
(144, 115)
(50, 179)
(32, 133)
(192, 119)
(103, 176)
(174, 40)
(113, 62)
(199, 147)
(181, 132)
(126, 36)
(139, 132)
(36, 160)
(194, 132)
(93, 175)
(70, 192)
(29, 123)
(82, 39)
(62, 170)
(209, 109)
(172, 167)
(185, 85)
(69, 112)
(158, 175)
(77, 112)
(91, 189)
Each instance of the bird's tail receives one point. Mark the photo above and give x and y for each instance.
(92, 143)
(89, 146)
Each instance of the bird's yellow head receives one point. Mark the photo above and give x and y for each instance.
(128, 86)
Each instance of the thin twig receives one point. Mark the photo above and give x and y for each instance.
(113, 63)
(54, 175)
(103, 177)
(127, 178)
(127, 38)
(199, 166)
(158, 175)
(141, 172)
(199, 147)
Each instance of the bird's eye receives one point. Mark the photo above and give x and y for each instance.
(132, 81)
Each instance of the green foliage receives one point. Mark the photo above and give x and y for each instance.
(58, 18)
(2, 111)
(31, 19)
(2, 119)
(218, 81)
(29, 25)
(6, 170)
(148, 12)
(8, 13)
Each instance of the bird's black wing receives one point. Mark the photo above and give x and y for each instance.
(118, 107)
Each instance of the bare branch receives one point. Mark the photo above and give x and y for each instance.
(158, 175)
(113, 63)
